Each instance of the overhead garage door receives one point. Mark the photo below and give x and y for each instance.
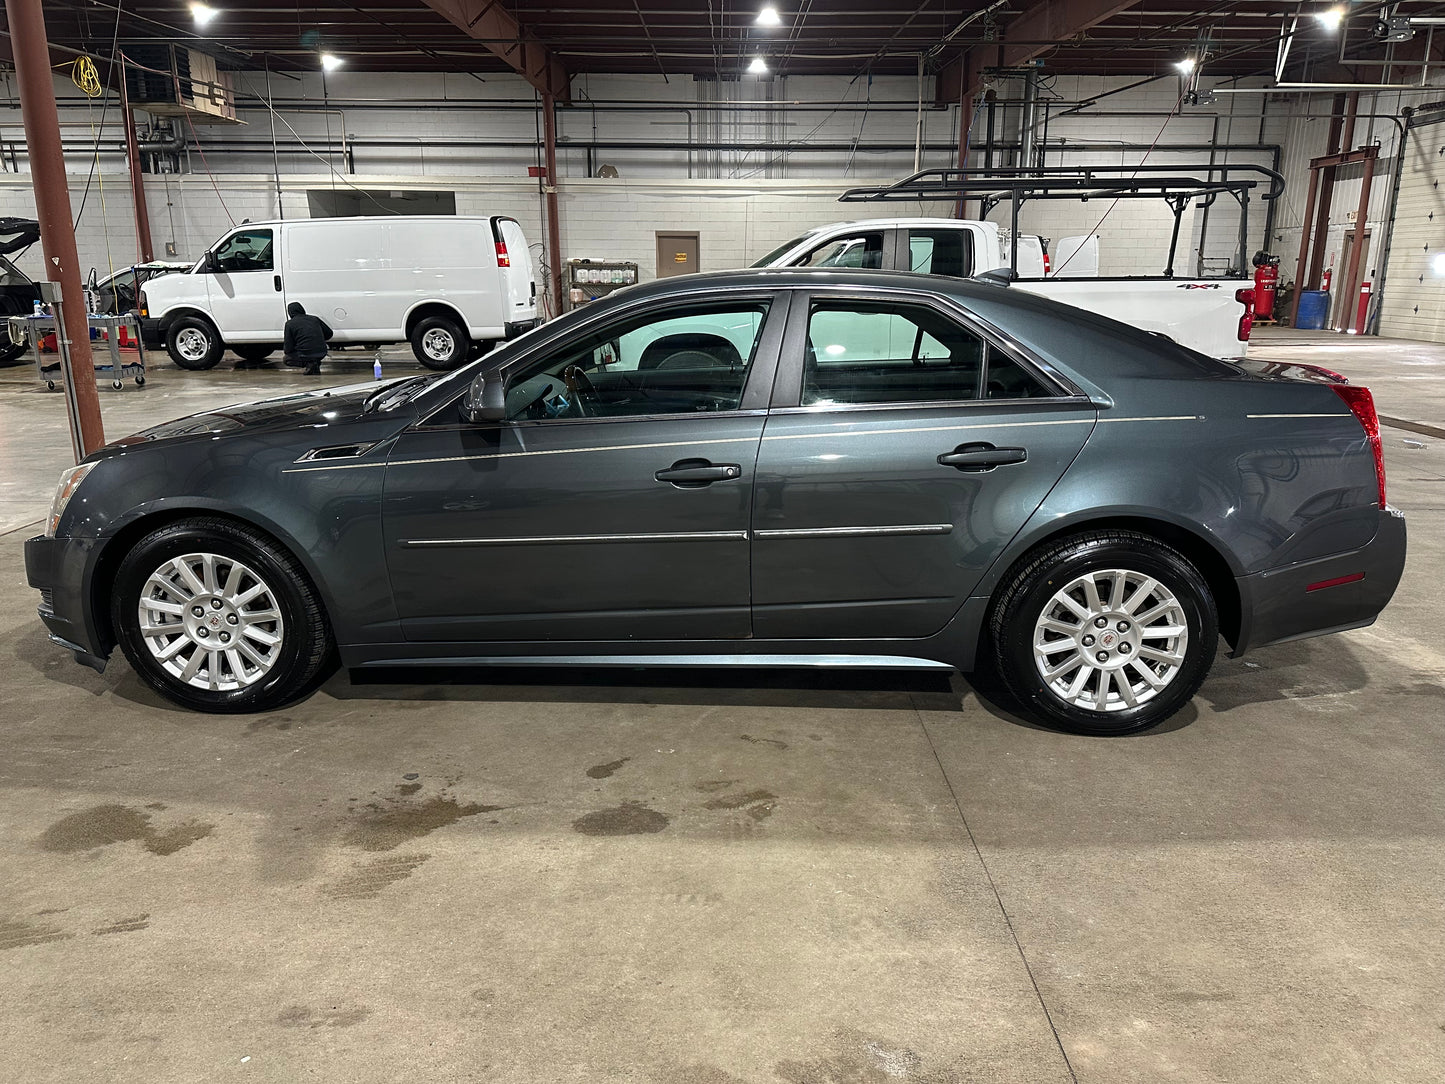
(1413, 306)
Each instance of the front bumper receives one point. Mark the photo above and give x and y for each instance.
(1291, 603)
(519, 327)
(59, 569)
(151, 333)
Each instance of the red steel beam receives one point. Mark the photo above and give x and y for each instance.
(488, 22)
(1034, 30)
(549, 187)
(52, 209)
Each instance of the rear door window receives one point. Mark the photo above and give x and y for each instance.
(940, 251)
(867, 352)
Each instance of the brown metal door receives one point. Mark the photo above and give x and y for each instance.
(677, 254)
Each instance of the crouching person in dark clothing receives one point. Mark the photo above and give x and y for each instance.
(306, 338)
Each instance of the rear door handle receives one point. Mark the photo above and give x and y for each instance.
(982, 457)
(696, 473)
(277, 280)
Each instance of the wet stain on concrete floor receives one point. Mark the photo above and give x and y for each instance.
(366, 881)
(102, 825)
(602, 771)
(334, 1016)
(19, 934)
(385, 827)
(125, 925)
(627, 819)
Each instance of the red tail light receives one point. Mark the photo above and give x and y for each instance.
(503, 260)
(1362, 406)
(1246, 322)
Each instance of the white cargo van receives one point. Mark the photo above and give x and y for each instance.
(451, 286)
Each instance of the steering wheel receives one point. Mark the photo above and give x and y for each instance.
(584, 393)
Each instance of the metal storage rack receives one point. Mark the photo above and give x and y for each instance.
(587, 280)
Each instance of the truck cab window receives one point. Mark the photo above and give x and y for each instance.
(249, 250)
(864, 250)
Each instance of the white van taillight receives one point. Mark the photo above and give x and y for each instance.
(503, 260)
(1362, 406)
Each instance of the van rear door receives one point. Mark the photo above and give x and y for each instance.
(514, 261)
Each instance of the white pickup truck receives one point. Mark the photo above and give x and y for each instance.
(1212, 316)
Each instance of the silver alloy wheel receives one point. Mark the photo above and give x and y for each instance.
(192, 343)
(211, 622)
(1110, 640)
(438, 344)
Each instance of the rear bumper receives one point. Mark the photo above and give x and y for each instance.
(1292, 602)
(57, 568)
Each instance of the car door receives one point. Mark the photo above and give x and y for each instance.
(614, 501)
(244, 288)
(906, 446)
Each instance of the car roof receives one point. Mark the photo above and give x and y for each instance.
(753, 278)
(892, 223)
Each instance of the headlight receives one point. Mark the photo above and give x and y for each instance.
(69, 483)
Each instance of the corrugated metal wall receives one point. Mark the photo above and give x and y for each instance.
(1413, 304)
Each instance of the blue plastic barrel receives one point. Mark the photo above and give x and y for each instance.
(1314, 309)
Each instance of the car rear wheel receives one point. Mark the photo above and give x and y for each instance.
(216, 617)
(1105, 633)
(194, 343)
(439, 343)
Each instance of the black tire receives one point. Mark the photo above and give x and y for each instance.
(427, 338)
(286, 670)
(481, 348)
(1120, 649)
(253, 352)
(11, 353)
(194, 343)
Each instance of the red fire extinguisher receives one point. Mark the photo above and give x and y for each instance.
(1325, 282)
(1266, 282)
(1362, 309)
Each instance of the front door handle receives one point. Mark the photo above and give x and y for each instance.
(981, 457)
(696, 473)
(277, 280)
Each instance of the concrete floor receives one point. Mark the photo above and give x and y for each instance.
(712, 878)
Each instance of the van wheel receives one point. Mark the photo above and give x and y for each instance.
(193, 343)
(439, 343)
(254, 352)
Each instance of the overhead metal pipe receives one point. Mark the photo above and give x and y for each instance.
(52, 209)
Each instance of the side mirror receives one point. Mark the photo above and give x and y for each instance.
(486, 400)
(212, 264)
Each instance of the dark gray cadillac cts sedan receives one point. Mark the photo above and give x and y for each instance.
(767, 467)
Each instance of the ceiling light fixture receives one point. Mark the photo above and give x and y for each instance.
(759, 66)
(330, 62)
(769, 17)
(1331, 18)
(1186, 65)
(203, 13)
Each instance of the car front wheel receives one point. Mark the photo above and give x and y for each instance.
(1106, 633)
(193, 343)
(218, 618)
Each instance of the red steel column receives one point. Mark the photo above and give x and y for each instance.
(1362, 212)
(554, 236)
(137, 178)
(52, 204)
(965, 125)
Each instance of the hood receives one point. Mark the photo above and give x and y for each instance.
(330, 406)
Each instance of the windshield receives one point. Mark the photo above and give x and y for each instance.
(10, 275)
(768, 260)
